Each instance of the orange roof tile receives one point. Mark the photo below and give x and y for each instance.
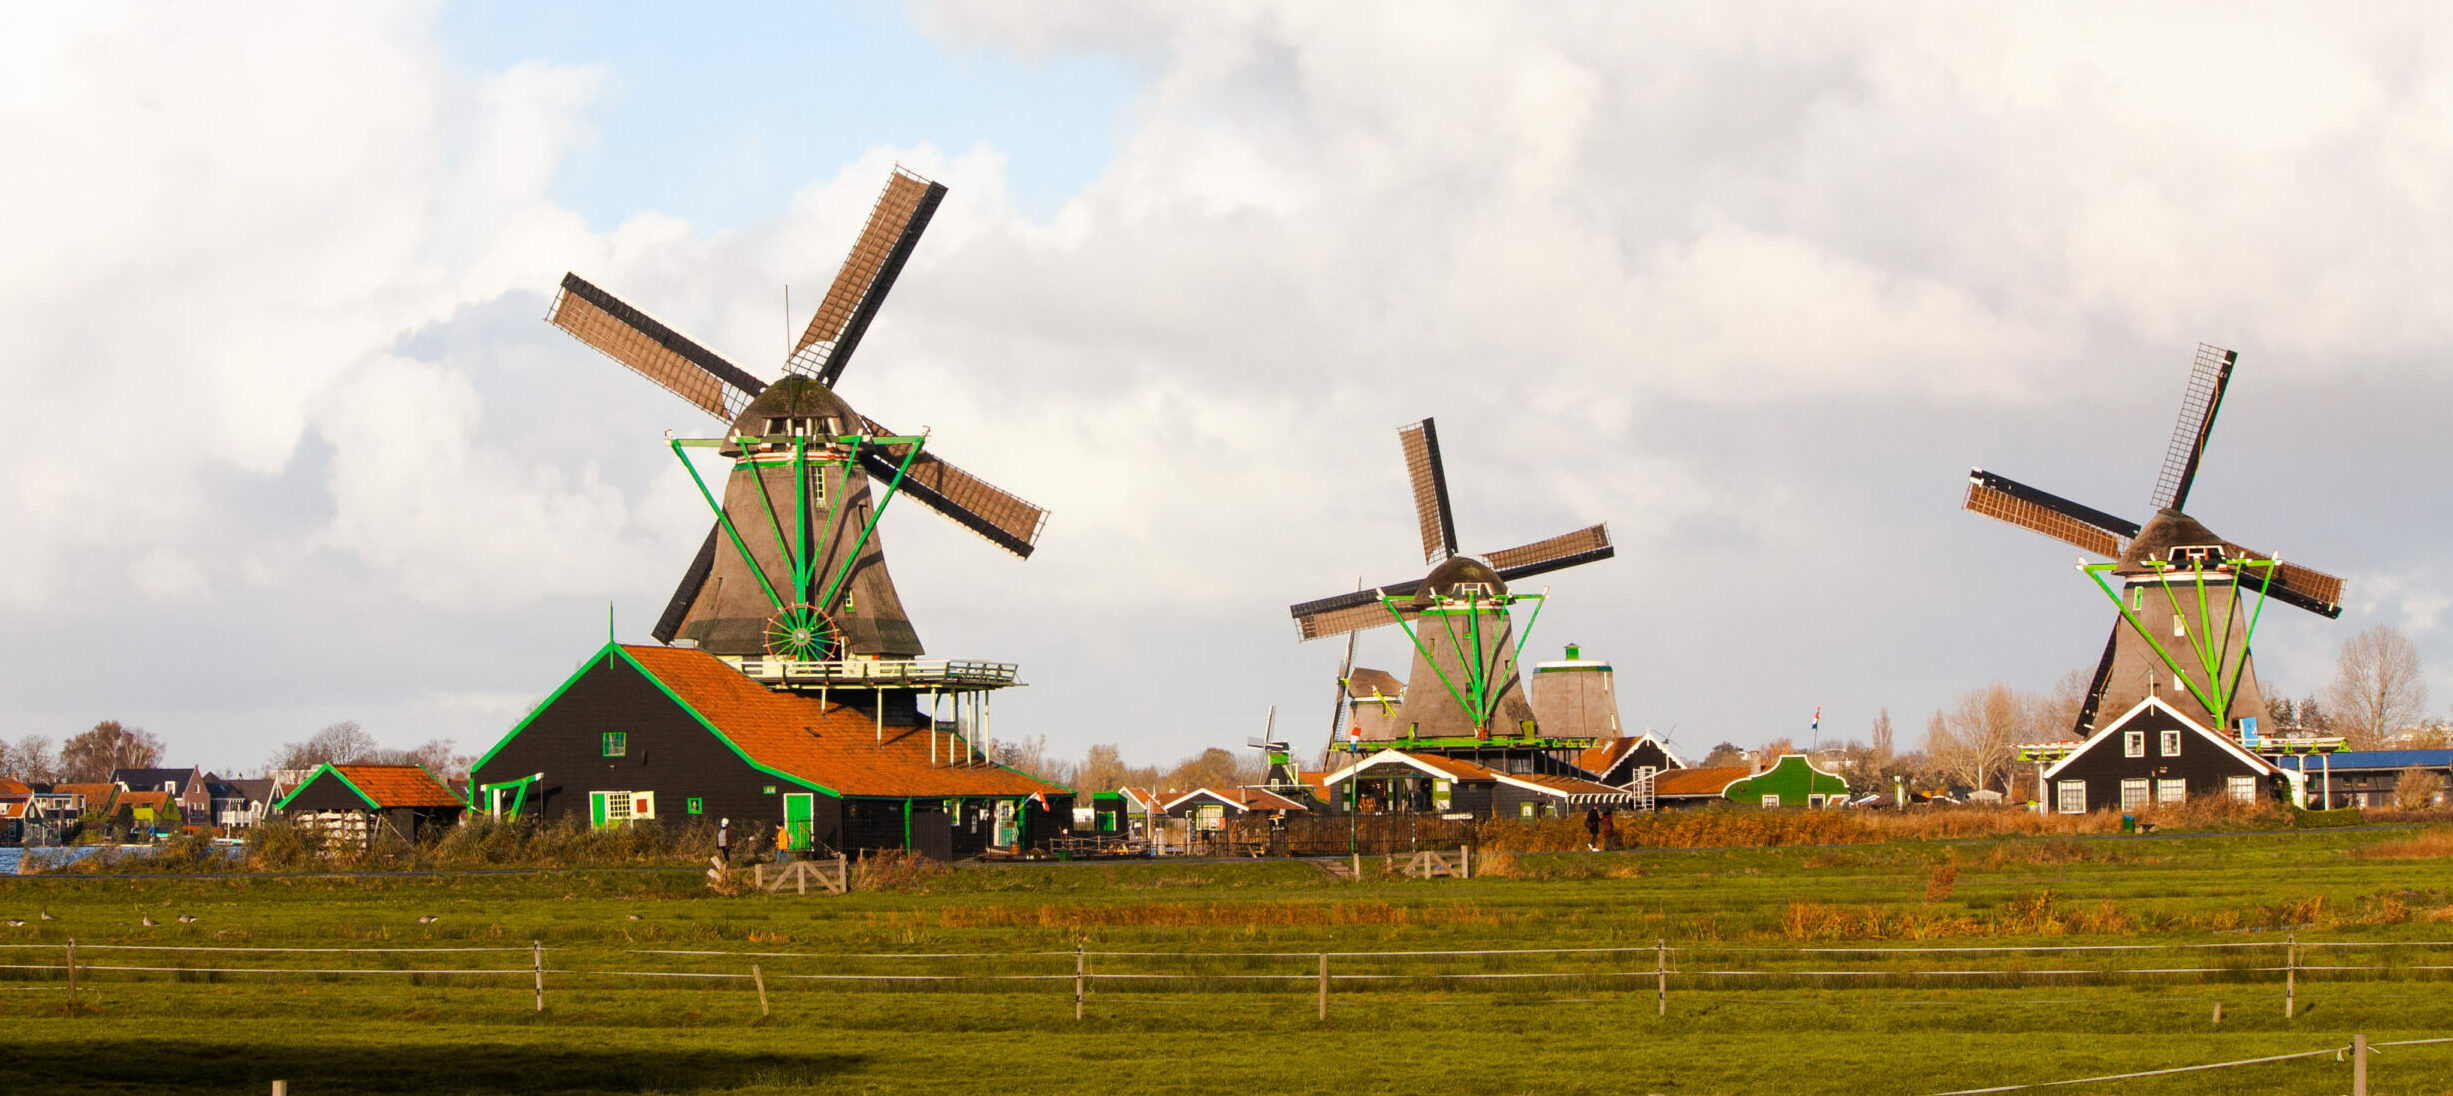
(95, 795)
(1698, 781)
(398, 786)
(828, 744)
(140, 800)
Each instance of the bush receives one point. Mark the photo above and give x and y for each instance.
(2417, 789)
(2315, 820)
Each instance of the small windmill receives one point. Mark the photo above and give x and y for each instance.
(805, 578)
(2183, 632)
(1464, 684)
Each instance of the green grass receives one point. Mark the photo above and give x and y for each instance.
(235, 1033)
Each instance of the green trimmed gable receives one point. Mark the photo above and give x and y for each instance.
(1793, 779)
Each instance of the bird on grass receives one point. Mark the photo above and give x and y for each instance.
(427, 919)
(46, 914)
(14, 923)
(147, 920)
(634, 917)
(187, 919)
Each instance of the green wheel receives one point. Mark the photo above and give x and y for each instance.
(803, 633)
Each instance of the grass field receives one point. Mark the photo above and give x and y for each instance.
(1588, 1031)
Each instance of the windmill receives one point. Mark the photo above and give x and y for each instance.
(794, 567)
(2184, 630)
(1464, 685)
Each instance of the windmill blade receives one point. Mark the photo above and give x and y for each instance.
(2209, 375)
(1557, 553)
(1346, 613)
(2296, 586)
(2009, 500)
(651, 349)
(902, 213)
(969, 501)
(1421, 442)
(701, 565)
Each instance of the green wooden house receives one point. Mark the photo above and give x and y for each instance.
(1793, 781)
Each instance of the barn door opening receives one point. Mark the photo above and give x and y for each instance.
(1009, 824)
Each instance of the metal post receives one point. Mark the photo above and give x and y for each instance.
(2359, 1065)
(2291, 974)
(1081, 970)
(759, 978)
(1660, 966)
(1324, 987)
(538, 950)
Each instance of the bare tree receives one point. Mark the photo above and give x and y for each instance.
(1211, 768)
(435, 756)
(1974, 740)
(1882, 735)
(90, 758)
(1102, 769)
(2377, 687)
(2057, 710)
(339, 744)
(34, 760)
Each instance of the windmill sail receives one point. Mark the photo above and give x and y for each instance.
(1004, 518)
(652, 349)
(2006, 499)
(677, 610)
(1543, 556)
(902, 212)
(2208, 377)
(1422, 464)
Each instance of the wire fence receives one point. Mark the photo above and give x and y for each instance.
(1660, 967)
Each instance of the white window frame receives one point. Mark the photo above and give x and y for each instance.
(2136, 793)
(2170, 744)
(2242, 788)
(1524, 809)
(2133, 743)
(642, 806)
(1771, 800)
(2171, 791)
(2073, 796)
(1814, 800)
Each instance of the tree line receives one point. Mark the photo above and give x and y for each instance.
(92, 756)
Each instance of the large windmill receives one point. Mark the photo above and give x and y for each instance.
(794, 567)
(2184, 626)
(1464, 686)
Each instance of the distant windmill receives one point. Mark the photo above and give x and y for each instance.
(805, 577)
(1464, 684)
(2183, 632)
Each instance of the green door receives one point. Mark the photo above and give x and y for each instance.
(799, 809)
(598, 814)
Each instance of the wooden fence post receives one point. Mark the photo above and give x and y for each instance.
(2359, 1065)
(1081, 972)
(759, 978)
(1660, 966)
(2291, 975)
(1324, 987)
(1464, 861)
(72, 974)
(537, 949)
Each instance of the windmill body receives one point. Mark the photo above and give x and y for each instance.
(1464, 682)
(2187, 602)
(729, 612)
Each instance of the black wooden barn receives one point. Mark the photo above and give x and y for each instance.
(2153, 756)
(359, 801)
(676, 734)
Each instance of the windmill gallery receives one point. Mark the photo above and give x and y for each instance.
(789, 692)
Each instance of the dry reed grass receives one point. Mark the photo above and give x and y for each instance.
(2430, 845)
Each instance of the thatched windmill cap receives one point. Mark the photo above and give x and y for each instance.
(794, 397)
(1459, 571)
(2167, 530)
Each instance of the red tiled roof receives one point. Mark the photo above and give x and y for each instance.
(96, 795)
(825, 743)
(397, 786)
(142, 800)
(15, 787)
(1698, 781)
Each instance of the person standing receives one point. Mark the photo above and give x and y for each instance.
(1592, 829)
(723, 840)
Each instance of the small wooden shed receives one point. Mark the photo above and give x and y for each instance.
(351, 803)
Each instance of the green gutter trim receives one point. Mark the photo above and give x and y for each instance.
(320, 770)
(548, 702)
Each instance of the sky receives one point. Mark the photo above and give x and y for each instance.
(1754, 283)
